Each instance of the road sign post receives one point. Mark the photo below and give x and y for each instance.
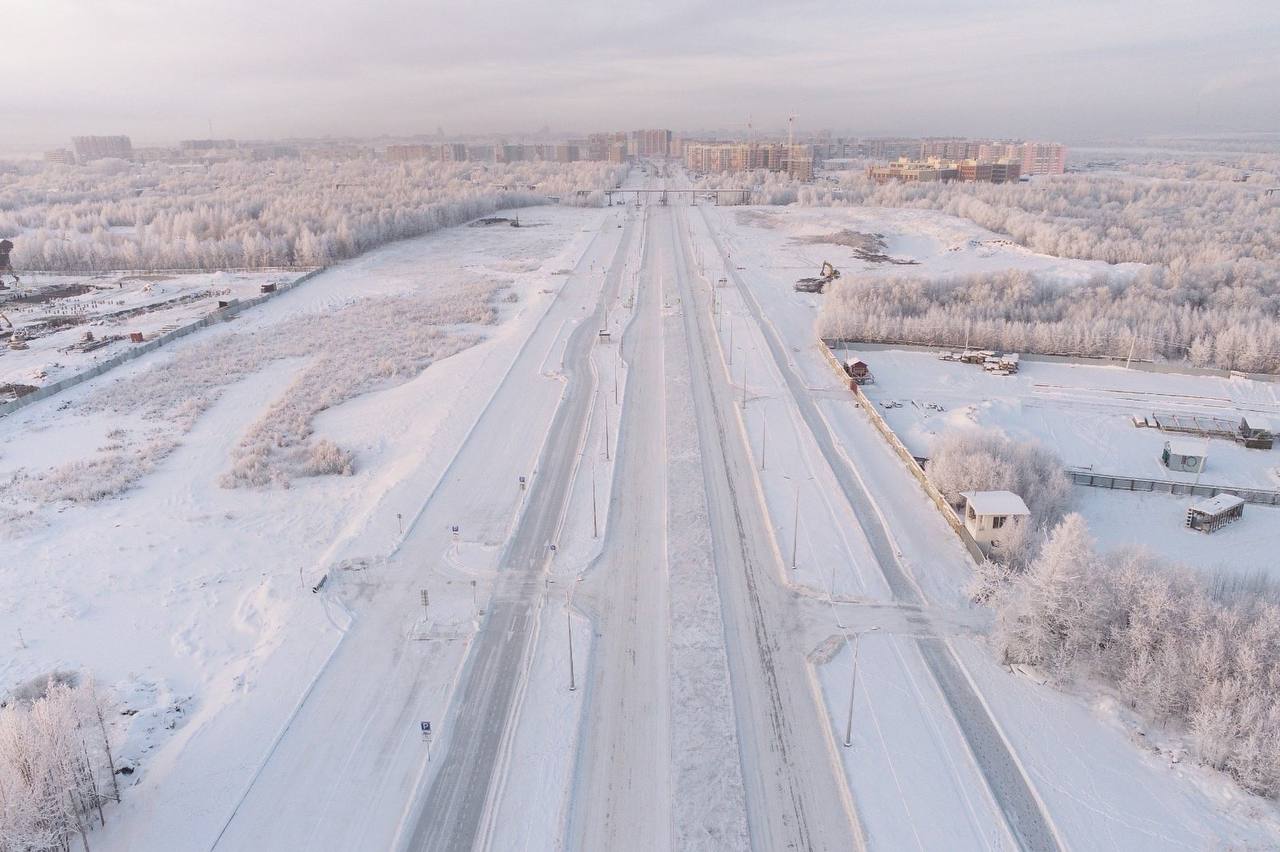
(426, 737)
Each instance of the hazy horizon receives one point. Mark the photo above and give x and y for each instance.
(158, 73)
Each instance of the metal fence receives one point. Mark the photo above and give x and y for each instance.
(1164, 486)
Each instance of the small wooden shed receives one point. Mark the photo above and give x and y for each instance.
(859, 371)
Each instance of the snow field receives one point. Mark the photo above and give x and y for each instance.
(200, 596)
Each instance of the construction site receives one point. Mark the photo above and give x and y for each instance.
(55, 326)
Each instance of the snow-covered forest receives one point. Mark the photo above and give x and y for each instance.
(56, 767)
(1153, 315)
(1205, 229)
(1200, 658)
(116, 215)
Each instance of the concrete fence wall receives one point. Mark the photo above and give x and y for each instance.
(137, 350)
(900, 449)
(194, 270)
(1164, 486)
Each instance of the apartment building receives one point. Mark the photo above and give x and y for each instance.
(937, 169)
(651, 143)
(951, 149)
(716, 157)
(90, 148)
(1034, 158)
(406, 153)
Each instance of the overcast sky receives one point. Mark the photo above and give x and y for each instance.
(161, 70)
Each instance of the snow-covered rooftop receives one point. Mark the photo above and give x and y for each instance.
(1185, 448)
(1217, 505)
(996, 503)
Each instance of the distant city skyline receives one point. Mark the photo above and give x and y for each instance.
(163, 72)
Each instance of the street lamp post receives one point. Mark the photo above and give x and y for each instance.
(764, 439)
(853, 685)
(568, 617)
(795, 528)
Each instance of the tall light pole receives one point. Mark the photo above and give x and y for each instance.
(853, 686)
(764, 439)
(606, 431)
(568, 617)
(795, 528)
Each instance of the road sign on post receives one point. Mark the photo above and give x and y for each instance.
(426, 737)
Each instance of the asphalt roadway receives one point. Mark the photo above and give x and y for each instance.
(1004, 777)
(451, 814)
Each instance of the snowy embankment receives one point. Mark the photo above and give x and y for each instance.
(190, 602)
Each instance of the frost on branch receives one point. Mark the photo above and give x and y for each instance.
(1201, 658)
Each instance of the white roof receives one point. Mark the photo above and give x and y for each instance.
(1217, 505)
(1185, 448)
(996, 503)
(1257, 421)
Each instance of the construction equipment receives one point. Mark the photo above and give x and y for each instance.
(817, 285)
(6, 246)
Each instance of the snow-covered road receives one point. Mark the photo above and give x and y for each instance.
(1017, 800)
(797, 797)
(452, 813)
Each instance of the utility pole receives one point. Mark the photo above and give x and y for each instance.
(730, 343)
(400, 522)
(853, 685)
(606, 433)
(595, 528)
(568, 617)
(764, 441)
(1132, 345)
(795, 528)
(744, 386)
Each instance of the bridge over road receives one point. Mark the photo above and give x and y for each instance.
(719, 196)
